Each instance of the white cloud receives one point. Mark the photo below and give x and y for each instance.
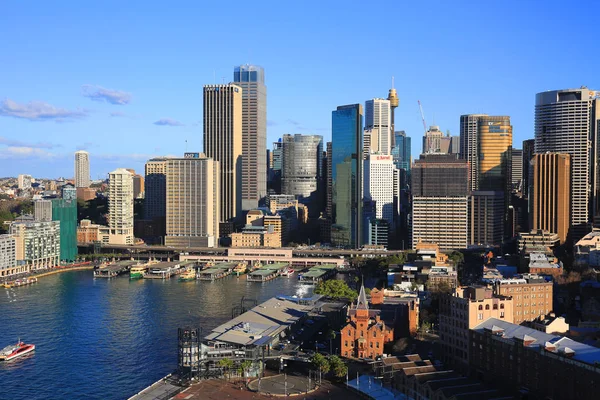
(38, 111)
(168, 122)
(98, 93)
(21, 152)
(18, 143)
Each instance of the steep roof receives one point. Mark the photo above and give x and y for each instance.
(361, 303)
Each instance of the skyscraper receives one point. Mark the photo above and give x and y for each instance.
(378, 185)
(346, 123)
(378, 126)
(517, 168)
(528, 152)
(440, 201)
(223, 143)
(251, 79)
(567, 121)
(192, 203)
(402, 151)
(120, 207)
(551, 193)
(301, 173)
(82, 169)
(394, 102)
(65, 211)
(155, 194)
(432, 141)
(485, 143)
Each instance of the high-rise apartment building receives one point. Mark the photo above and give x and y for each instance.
(440, 201)
(346, 172)
(517, 168)
(378, 175)
(42, 210)
(378, 122)
(8, 256)
(486, 143)
(567, 122)
(192, 202)
(68, 192)
(551, 193)
(528, 152)
(37, 244)
(65, 212)
(301, 173)
(251, 79)
(223, 143)
(120, 207)
(24, 181)
(82, 169)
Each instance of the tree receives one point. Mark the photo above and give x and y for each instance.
(337, 366)
(320, 363)
(226, 364)
(245, 367)
(336, 289)
(331, 336)
(456, 257)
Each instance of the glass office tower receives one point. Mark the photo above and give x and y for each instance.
(346, 165)
(65, 211)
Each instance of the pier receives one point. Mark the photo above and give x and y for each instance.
(115, 269)
(267, 272)
(217, 272)
(317, 274)
(164, 270)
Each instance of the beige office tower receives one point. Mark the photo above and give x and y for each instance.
(552, 193)
(120, 207)
(192, 201)
(82, 169)
(486, 144)
(223, 143)
(251, 78)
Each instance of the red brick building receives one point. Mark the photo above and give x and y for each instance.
(365, 333)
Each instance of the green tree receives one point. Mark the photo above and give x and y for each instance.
(331, 336)
(336, 289)
(320, 363)
(245, 367)
(226, 364)
(337, 366)
(456, 257)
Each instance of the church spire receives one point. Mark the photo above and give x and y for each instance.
(361, 303)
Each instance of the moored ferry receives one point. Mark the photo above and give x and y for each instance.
(288, 272)
(188, 275)
(15, 350)
(137, 272)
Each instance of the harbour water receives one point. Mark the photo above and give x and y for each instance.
(110, 338)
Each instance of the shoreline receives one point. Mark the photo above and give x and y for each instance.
(49, 273)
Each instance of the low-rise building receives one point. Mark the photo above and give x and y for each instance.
(533, 363)
(550, 324)
(587, 250)
(537, 241)
(365, 332)
(464, 309)
(531, 294)
(86, 193)
(542, 264)
(256, 236)
(90, 233)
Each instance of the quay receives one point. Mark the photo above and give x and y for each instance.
(317, 274)
(115, 269)
(164, 270)
(20, 282)
(218, 271)
(267, 272)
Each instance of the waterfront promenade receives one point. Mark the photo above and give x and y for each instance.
(85, 266)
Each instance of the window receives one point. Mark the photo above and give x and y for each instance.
(501, 314)
(346, 343)
(480, 307)
(480, 316)
(495, 306)
(501, 306)
(377, 345)
(487, 306)
(349, 334)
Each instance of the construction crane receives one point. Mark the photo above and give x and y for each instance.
(427, 138)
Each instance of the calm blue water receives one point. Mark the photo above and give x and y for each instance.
(108, 339)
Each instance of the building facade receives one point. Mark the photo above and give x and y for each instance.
(42, 210)
(251, 78)
(517, 168)
(37, 244)
(192, 203)
(378, 185)
(155, 193)
(531, 294)
(432, 141)
(82, 169)
(347, 175)
(120, 206)
(301, 173)
(552, 193)
(566, 122)
(24, 181)
(223, 143)
(528, 152)
(8, 256)
(486, 218)
(378, 122)
(65, 212)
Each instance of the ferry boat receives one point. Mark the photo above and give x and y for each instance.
(188, 275)
(288, 272)
(15, 350)
(137, 272)
(240, 269)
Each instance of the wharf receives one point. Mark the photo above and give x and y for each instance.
(218, 271)
(164, 270)
(267, 272)
(113, 270)
(318, 274)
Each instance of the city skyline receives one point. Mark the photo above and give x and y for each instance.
(157, 95)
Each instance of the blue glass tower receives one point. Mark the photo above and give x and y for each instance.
(346, 171)
(402, 155)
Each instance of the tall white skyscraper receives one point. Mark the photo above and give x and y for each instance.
(120, 207)
(379, 185)
(378, 120)
(82, 169)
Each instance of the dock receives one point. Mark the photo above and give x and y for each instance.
(267, 272)
(114, 269)
(164, 270)
(218, 271)
(318, 274)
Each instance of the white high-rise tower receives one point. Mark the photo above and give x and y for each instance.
(378, 123)
(120, 206)
(82, 169)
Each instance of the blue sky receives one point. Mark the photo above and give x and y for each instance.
(124, 80)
